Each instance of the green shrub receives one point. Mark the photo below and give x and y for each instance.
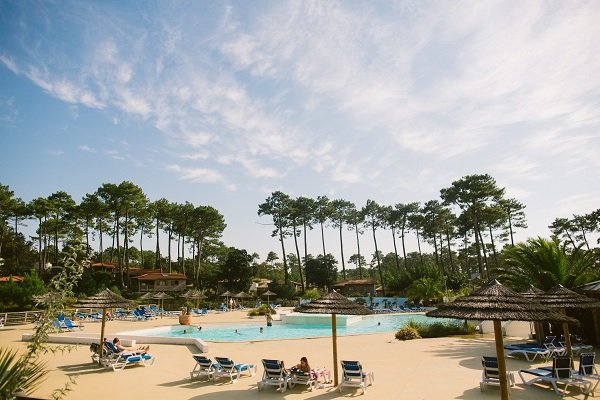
(441, 328)
(407, 333)
(262, 310)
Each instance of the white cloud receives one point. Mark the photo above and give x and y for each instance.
(87, 148)
(203, 175)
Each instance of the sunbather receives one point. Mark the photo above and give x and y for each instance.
(139, 350)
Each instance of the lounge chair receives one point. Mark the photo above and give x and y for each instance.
(560, 372)
(61, 326)
(72, 325)
(555, 347)
(118, 360)
(274, 375)
(576, 346)
(297, 377)
(226, 367)
(354, 376)
(204, 367)
(528, 350)
(490, 375)
(587, 368)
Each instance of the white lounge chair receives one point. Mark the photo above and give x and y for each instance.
(354, 376)
(528, 350)
(560, 373)
(204, 367)
(274, 375)
(226, 367)
(587, 369)
(490, 375)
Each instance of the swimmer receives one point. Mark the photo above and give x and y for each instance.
(261, 329)
(184, 331)
(199, 328)
(379, 324)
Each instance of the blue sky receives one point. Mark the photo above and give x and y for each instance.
(222, 103)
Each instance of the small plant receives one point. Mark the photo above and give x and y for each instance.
(262, 310)
(407, 333)
(441, 329)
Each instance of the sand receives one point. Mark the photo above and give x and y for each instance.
(441, 368)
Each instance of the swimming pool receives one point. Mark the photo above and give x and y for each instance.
(252, 332)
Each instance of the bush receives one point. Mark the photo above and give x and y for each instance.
(262, 310)
(407, 333)
(441, 329)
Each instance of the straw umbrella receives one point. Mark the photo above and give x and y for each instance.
(498, 303)
(195, 294)
(268, 293)
(226, 294)
(333, 303)
(104, 299)
(532, 292)
(161, 296)
(241, 295)
(561, 298)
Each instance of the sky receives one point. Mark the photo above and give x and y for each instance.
(223, 102)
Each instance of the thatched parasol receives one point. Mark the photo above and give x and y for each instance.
(561, 298)
(498, 303)
(333, 303)
(104, 299)
(195, 294)
(161, 296)
(226, 294)
(268, 293)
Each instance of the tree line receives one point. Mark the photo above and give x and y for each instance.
(120, 213)
(466, 227)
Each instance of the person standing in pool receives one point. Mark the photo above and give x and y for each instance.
(269, 318)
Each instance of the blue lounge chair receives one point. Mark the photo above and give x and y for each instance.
(226, 367)
(118, 360)
(559, 373)
(353, 375)
(204, 367)
(529, 350)
(490, 376)
(61, 325)
(274, 374)
(72, 325)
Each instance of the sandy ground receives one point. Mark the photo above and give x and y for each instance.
(442, 368)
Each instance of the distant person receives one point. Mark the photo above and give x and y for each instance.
(379, 324)
(184, 331)
(261, 329)
(269, 318)
(139, 350)
(199, 328)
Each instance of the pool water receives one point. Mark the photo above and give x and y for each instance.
(251, 331)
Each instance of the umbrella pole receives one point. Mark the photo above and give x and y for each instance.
(567, 336)
(102, 336)
(501, 361)
(335, 356)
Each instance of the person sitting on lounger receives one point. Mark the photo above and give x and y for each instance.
(139, 350)
(304, 366)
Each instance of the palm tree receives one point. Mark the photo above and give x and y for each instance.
(546, 263)
(427, 289)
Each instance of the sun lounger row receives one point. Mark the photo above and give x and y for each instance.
(559, 373)
(221, 367)
(275, 374)
(551, 347)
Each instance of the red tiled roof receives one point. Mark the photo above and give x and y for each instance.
(102, 265)
(14, 278)
(355, 282)
(157, 276)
